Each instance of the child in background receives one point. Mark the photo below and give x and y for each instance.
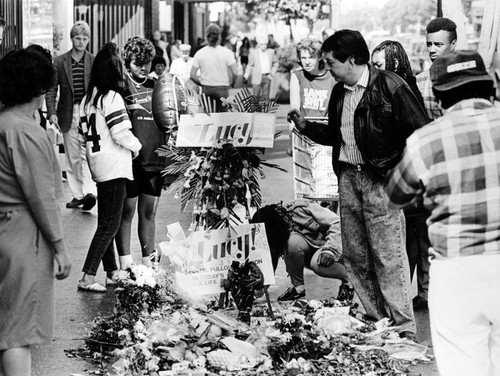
(105, 130)
(158, 67)
(144, 192)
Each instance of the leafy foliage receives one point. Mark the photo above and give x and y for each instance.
(217, 179)
(290, 9)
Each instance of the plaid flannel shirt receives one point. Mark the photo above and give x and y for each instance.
(454, 163)
(432, 107)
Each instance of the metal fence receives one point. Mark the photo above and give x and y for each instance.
(112, 20)
(11, 11)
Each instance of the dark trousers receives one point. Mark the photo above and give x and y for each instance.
(417, 246)
(109, 213)
(216, 93)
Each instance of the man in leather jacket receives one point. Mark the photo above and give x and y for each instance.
(371, 113)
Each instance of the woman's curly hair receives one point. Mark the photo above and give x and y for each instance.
(139, 50)
(24, 75)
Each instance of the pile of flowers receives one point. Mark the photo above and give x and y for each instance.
(154, 331)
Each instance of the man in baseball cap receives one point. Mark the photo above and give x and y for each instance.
(460, 73)
(453, 164)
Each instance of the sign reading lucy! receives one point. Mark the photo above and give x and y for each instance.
(203, 260)
(241, 129)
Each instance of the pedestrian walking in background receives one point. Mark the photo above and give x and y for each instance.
(105, 132)
(390, 55)
(261, 69)
(441, 37)
(307, 235)
(144, 191)
(175, 53)
(371, 113)
(31, 235)
(244, 52)
(161, 48)
(452, 164)
(217, 67)
(72, 73)
(181, 67)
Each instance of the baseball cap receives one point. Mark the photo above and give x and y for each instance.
(456, 68)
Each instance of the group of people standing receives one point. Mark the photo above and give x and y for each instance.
(104, 111)
(387, 156)
(105, 114)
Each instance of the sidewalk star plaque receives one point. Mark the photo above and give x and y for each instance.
(241, 129)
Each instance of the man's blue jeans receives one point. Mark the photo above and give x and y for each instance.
(109, 214)
(373, 240)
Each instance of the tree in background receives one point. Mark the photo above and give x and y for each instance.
(291, 10)
(408, 16)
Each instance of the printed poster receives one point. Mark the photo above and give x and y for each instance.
(214, 253)
(242, 129)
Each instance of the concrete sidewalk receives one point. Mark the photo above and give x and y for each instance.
(76, 310)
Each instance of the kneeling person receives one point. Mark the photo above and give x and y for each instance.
(307, 235)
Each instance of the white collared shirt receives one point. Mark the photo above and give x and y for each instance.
(264, 62)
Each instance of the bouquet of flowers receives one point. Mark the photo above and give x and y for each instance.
(217, 179)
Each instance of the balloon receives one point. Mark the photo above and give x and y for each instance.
(169, 101)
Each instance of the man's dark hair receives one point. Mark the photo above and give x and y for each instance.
(346, 43)
(479, 89)
(443, 23)
(24, 75)
(2, 21)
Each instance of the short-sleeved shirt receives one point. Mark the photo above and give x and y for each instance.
(454, 163)
(214, 63)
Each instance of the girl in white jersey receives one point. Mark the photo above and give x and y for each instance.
(105, 130)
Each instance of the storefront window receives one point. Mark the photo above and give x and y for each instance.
(37, 23)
